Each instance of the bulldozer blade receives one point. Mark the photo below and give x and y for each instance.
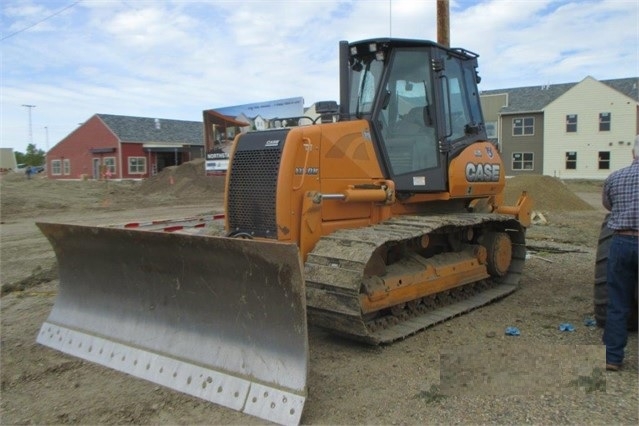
(218, 318)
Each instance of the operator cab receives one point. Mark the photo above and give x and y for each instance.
(422, 102)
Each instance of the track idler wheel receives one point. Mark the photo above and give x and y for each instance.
(500, 253)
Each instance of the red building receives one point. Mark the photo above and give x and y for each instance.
(122, 147)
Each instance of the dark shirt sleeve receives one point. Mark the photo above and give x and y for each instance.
(605, 197)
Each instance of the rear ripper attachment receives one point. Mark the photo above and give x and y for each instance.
(221, 319)
(388, 281)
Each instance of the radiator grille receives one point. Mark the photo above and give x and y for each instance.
(252, 191)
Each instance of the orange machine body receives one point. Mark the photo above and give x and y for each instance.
(329, 178)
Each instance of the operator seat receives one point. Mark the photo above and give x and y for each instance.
(417, 125)
(412, 122)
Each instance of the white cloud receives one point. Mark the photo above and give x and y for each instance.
(172, 59)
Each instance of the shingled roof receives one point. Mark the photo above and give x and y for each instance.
(143, 129)
(535, 98)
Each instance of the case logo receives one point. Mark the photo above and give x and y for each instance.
(486, 172)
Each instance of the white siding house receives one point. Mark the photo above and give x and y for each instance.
(588, 131)
(260, 123)
(582, 130)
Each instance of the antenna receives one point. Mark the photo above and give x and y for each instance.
(30, 107)
(390, 18)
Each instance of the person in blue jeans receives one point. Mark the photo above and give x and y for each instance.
(621, 196)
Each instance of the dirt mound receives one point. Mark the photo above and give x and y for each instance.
(12, 176)
(189, 180)
(548, 193)
(184, 181)
(188, 183)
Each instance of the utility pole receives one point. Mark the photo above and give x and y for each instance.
(30, 107)
(46, 139)
(443, 23)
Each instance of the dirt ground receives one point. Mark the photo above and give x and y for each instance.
(466, 370)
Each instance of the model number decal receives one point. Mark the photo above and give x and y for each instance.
(478, 172)
(309, 171)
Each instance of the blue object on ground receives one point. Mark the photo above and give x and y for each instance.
(590, 322)
(512, 331)
(566, 327)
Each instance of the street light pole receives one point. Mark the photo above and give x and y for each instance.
(30, 107)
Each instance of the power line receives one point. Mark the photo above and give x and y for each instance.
(41, 20)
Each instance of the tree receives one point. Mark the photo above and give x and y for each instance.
(33, 156)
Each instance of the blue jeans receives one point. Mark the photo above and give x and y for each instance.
(622, 280)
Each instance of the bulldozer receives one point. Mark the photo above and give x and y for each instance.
(383, 217)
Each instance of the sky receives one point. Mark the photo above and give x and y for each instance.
(172, 59)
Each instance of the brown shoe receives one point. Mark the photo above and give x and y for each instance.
(613, 367)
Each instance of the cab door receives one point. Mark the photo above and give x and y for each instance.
(406, 123)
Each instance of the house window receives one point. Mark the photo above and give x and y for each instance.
(604, 160)
(491, 129)
(524, 126)
(604, 121)
(56, 167)
(137, 165)
(523, 160)
(571, 160)
(109, 163)
(571, 123)
(66, 163)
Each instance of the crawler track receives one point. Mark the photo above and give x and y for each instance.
(337, 270)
